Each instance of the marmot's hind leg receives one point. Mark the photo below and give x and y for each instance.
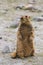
(20, 49)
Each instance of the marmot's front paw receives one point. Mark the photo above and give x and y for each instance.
(13, 55)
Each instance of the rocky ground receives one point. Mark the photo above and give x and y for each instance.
(9, 21)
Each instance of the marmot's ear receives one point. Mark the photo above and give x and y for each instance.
(27, 17)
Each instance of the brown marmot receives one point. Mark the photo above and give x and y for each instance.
(25, 38)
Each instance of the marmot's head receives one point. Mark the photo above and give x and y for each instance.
(25, 19)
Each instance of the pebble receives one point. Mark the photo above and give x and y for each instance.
(38, 19)
(0, 37)
(6, 49)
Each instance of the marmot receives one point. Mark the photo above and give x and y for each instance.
(25, 37)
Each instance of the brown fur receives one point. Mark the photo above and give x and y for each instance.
(25, 38)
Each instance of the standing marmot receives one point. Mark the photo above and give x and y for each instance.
(25, 38)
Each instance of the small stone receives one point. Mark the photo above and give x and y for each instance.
(35, 27)
(0, 37)
(6, 49)
(42, 15)
(20, 6)
(38, 19)
(14, 25)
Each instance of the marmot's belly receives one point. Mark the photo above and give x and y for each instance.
(25, 34)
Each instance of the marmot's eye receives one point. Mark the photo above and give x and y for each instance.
(21, 18)
(26, 16)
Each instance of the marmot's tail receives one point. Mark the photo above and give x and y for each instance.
(13, 55)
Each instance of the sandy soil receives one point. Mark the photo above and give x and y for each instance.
(10, 16)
